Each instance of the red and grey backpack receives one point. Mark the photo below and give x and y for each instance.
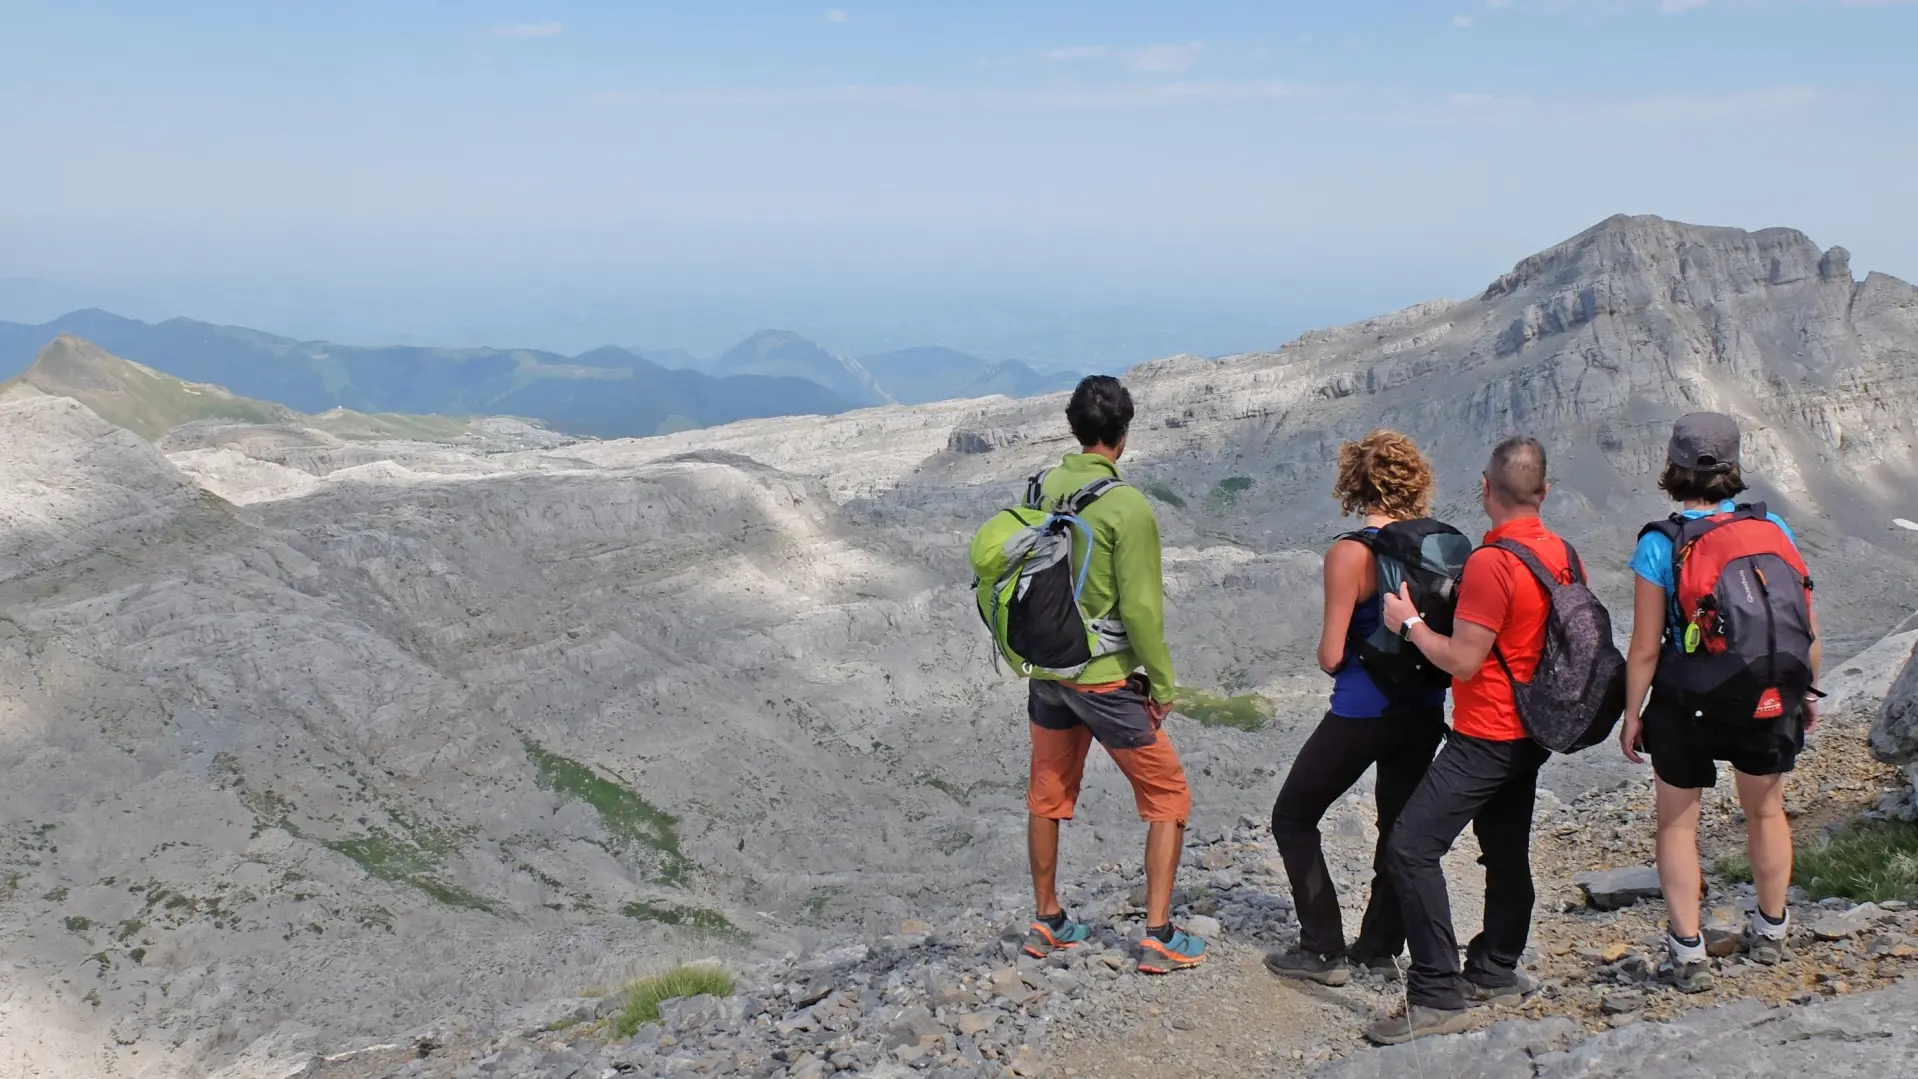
(1740, 617)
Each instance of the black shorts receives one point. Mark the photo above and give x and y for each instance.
(1685, 752)
(1117, 717)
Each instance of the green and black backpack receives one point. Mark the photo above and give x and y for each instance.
(1028, 590)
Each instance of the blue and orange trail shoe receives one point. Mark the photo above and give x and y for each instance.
(1182, 952)
(1042, 940)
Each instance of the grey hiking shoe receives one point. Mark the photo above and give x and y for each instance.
(1766, 949)
(1523, 984)
(1765, 939)
(1418, 1021)
(1311, 966)
(1687, 968)
(1693, 976)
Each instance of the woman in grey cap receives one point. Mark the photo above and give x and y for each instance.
(1719, 691)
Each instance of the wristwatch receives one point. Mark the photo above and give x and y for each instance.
(1405, 629)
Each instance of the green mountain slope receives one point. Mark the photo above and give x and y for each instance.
(150, 403)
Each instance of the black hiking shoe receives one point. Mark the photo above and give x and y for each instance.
(1311, 966)
(1384, 966)
(1523, 984)
(1418, 1021)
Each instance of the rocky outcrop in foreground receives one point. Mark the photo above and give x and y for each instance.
(1872, 1034)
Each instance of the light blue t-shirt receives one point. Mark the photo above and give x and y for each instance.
(1653, 558)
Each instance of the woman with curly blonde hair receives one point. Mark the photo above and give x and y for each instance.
(1382, 478)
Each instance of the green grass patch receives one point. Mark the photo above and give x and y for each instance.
(630, 819)
(1165, 494)
(403, 861)
(1244, 711)
(699, 919)
(644, 997)
(1868, 861)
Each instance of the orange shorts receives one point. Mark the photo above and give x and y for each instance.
(1059, 755)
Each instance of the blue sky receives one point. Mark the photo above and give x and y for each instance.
(1298, 162)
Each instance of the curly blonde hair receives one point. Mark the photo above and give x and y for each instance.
(1384, 473)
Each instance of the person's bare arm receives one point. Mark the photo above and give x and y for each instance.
(1460, 655)
(1641, 662)
(1817, 664)
(1346, 565)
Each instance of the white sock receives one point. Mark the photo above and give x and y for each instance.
(1683, 952)
(1765, 927)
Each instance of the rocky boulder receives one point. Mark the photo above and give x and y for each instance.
(1894, 738)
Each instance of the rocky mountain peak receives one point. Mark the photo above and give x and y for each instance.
(1649, 252)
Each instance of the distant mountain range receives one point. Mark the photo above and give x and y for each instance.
(909, 376)
(609, 392)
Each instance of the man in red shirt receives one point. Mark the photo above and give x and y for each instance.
(1487, 773)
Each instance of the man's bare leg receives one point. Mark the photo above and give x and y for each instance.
(1164, 839)
(1042, 849)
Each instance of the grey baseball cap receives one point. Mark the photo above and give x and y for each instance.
(1704, 442)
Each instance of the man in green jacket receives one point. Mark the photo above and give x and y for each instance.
(1121, 699)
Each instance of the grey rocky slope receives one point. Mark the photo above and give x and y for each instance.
(431, 736)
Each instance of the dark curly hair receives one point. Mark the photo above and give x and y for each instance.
(1384, 473)
(1691, 485)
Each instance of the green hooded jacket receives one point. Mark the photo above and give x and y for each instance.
(1124, 575)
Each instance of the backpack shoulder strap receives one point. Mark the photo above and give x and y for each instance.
(1090, 493)
(1540, 572)
(1361, 536)
(1036, 490)
(1669, 528)
(1574, 565)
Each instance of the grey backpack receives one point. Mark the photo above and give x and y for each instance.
(1577, 692)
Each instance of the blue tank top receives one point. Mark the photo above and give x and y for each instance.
(1354, 696)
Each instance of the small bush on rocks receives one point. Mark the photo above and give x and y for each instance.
(1247, 711)
(644, 997)
(1868, 862)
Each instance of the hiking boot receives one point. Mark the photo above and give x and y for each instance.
(1765, 942)
(1523, 984)
(1042, 940)
(1418, 1021)
(1687, 967)
(1182, 952)
(1766, 949)
(1311, 966)
(1385, 966)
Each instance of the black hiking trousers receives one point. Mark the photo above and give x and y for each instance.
(1333, 759)
(1492, 786)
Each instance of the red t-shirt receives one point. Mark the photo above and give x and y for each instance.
(1497, 591)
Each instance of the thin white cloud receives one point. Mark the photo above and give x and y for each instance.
(524, 30)
(1164, 59)
(1159, 59)
(1165, 93)
(836, 15)
(1767, 102)
(1464, 22)
(1072, 54)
